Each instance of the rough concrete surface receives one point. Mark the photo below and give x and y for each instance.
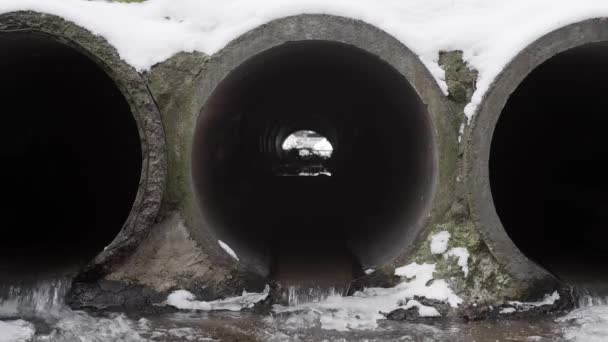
(174, 246)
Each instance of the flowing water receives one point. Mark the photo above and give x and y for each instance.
(35, 312)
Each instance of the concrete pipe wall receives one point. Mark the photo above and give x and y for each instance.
(536, 161)
(399, 175)
(379, 107)
(82, 151)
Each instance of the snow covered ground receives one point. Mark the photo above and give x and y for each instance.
(489, 32)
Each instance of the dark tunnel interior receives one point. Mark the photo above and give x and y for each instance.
(301, 229)
(549, 164)
(70, 155)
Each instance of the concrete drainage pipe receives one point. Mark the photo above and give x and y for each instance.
(537, 157)
(376, 104)
(81, 149)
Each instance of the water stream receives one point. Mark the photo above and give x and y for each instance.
(36, 312)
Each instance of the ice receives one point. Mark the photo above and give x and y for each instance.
(16, 331)
(588, 324)
(549, 299)
(507, 310)
(183, 299)
(462, 255)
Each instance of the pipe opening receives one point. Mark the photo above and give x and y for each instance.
(548, 163)
(305, 153)
(314, 228)
(70, 155)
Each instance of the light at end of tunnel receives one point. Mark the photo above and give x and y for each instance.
(307, 153)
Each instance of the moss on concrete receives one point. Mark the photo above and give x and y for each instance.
(488, 283)
(459, 76)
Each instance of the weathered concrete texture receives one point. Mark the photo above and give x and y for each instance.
(489, 283)
(532, 278)
(367, 38)
(180, 250)
(143, 108)
(166, 259)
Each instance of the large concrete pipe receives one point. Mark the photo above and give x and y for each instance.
(81, 149)
(537, 157)
(379, 108)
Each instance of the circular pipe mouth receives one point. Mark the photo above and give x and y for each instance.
(548, 162)
(312, 228)
(71, 149)
(535, 158)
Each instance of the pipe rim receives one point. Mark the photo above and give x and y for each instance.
(144, 111)
(479, 138)
(364, 36)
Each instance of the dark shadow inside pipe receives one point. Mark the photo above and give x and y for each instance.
(70, 156)
(309, 228)
(549, 163)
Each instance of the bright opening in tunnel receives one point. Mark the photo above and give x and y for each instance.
(305, 153)
(70, 155)
(314, 228)
(549, 166)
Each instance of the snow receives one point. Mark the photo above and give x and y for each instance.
(549, 299)
(369, 271)
(507, 310)
(439, 245)
(183, 299)
(588, 324)
(439, 242)
(364, 308)
(228, 250)
(150, 32)
(16, 331)
(462, 255)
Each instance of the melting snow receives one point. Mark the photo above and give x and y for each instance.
(549, 299)
(507, 310)
(183, 299)
(228, 250)
(462, 255)
(364, 308)
(16, 331)
(589, 324)
(439, 242)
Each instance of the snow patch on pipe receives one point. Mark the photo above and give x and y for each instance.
(228, 250)
(439, 242)
(462, 256)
